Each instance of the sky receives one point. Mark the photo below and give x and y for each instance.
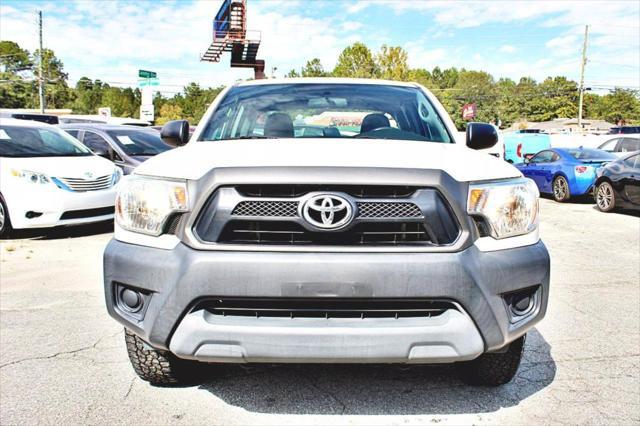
(110, 40)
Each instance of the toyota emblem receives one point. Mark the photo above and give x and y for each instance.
(327, 211)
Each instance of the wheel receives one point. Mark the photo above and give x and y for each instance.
(493, 369)
(605, 197)
(155, 366)
(5, 223)
(561, 189)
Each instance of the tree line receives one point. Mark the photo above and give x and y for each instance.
(503, 100)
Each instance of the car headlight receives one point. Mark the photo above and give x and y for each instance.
(33, 177)
(510, 207)
(144, 204)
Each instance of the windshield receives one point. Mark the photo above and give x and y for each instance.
(20, 141)
(325, 111)
(136, 142)
(590, 154)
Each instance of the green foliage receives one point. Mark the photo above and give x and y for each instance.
(13, 58)
(313, 68)
(355, 61)
(392, 63)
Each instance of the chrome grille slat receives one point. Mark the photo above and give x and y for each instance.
(83, 185)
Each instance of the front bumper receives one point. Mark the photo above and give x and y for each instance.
(174, 280)
(52, 203)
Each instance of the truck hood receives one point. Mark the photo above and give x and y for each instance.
(197, 158)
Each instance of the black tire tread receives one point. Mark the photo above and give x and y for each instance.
(155, 366)
(494, 369)
(7, 231)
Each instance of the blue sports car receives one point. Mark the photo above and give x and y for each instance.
(565, 172)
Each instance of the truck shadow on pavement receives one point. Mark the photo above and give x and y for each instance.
(376, 389)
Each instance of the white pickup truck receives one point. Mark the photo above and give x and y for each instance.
(280, 234)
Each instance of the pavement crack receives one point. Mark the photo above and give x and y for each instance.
(126, 395)
(57, 354)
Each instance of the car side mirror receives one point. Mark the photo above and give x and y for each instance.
(175, 133)
(526, 161)
(102, 152)
(481, 135)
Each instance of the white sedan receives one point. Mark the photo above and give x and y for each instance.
(48, 178)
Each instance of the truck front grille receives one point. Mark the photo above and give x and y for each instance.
(245, 215)
(324, 307)
(290, 233)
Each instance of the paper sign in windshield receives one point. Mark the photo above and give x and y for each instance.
(4, 135)
(126, 140)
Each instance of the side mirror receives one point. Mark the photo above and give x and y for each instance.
(481, 135)
(102, 153)
(175, 133)
(527, 160)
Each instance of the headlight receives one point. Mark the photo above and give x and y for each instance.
(33, 177)
(510, 208)
(144, 204)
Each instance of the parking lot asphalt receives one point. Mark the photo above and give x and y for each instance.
(63, 359)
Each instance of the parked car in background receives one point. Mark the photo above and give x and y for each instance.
(48, 178)
(523, 144)
(565, 172)
(621, 145)
(618, 184)
(126, 121)
(43, 118)
(625, 130)
(126, 146)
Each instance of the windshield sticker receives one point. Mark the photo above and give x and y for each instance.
(4, 135)
(126, 140)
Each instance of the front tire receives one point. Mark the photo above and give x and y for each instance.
(5, 222)
(155, 366)
(493, 369)
(605, 197)
(561, 191)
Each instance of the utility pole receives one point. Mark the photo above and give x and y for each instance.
(582, 65)
(40, 76)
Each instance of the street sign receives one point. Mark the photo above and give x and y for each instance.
(104, 112)
(148, 82)
(469, 111)
(147, 112)
(147, 74)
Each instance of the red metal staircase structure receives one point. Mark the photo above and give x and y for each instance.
(230, 35)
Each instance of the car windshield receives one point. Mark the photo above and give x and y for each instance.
(18, 141)
(591, 154)
(136, 142)
(329, 110)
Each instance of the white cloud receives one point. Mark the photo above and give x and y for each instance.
(351, 25)
(507, 48)
(359, 6)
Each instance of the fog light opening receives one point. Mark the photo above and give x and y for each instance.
(31, 214)
(521, 303)
(131, 300)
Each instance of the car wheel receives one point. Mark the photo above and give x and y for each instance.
(493, 369)
(155, 366)
(561, 191)
(5, 221)
(605, 197)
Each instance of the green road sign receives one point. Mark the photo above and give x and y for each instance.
(148, 82)
(147, 74)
